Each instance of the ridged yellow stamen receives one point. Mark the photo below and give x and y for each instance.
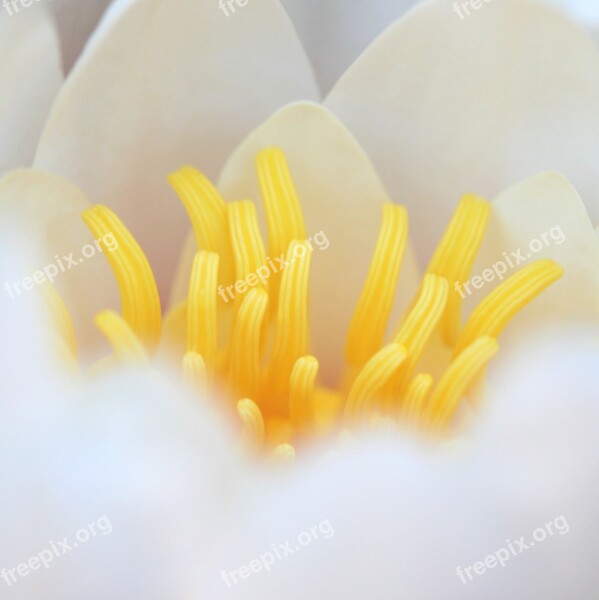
(139, 295)
(492, 315)
(418, 326)
(455, 381)
(301, 396)
(284, 218)
(202, 332)
(121, 336)
(291, 339)
(252, 433)
(208, 215)
(368, 324)
(244, 358)
(415, 397)
(246, 239)
(194, 372)
(455, 256)
(372, 378)
(61, 318)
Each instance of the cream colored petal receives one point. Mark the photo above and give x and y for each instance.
(341, 196)
(542, 217)
(49, 209)
(445, 105)
(76, 21)
(30, 77)
(164, 83)
(335, 32)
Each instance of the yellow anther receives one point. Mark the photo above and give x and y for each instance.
(415, 398)
(454, 383)
(139, 295)
(284, 217)
(492, 315)
(202, 333)
(252, 432)
(372, 379)
(208, 215)
(418, 326)
(456, 253)
(301, 397)
(246, 239)
(61, 318)
(244, 358)
(368, 324)
(283, 453)
(122, 338)
(194, 372)
(291, 339)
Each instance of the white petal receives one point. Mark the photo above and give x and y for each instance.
(76, 21)
(447, 106)
(163, 83)
(336, 32)
(49, 209)
(134, 456)
(382, 522)
(543, 217)
(30, 77)
(586, 11)
(341, 195)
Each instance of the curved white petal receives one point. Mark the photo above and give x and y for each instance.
(341, 195)
(49, 210)
(586, 11)
(143, 463)
(164, 83)
(30, 77)
(383, 522)
(336, 32)
(542, 217)
(76, 21)
(446, 106)
(538, 445)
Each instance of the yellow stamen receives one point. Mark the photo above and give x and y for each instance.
(202, 333)
(283, 453)
(455, 381)
(291, 339)
(252, 433)
(208, 215)
(244, 360)
(492, 315)
(455, 256)
(372, 378)
(246, 239)
(139, 295)
(418, 327)
(415, 397)
(284, 218)
(194, 372)
(368, 324)
(301, 396)
(121, 336)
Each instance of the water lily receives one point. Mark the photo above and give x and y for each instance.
(181, 470)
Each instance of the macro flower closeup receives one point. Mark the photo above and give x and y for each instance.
(299, 299)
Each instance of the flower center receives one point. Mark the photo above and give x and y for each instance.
(251, 350)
